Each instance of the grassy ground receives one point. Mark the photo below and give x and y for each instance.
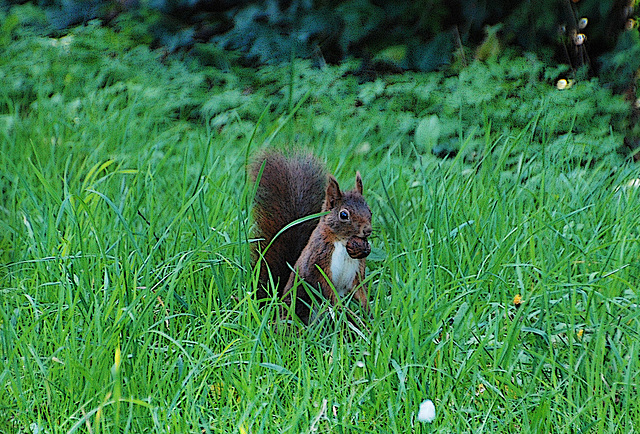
(505, 285)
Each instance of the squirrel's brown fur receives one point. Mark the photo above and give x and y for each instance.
(292, 187)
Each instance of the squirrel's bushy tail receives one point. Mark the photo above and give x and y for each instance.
(291, 187)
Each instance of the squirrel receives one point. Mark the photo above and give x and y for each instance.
(335, 245)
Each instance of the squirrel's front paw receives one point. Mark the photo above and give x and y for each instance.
(358, 248)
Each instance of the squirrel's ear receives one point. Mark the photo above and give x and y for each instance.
(333, 193)
(358, 183)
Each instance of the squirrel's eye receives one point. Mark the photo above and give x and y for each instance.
(344, 215)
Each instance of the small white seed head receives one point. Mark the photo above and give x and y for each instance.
(427, 411)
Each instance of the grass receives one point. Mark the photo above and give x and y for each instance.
(127, 295)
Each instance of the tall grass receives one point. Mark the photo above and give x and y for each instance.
(504, 287)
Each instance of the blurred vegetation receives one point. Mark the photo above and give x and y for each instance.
(422, 35)
(584, 38)
(95, 70)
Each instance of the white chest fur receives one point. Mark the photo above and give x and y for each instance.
(343, 268)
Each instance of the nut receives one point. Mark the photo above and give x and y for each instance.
(358, 248)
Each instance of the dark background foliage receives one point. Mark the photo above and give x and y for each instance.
(593, 37)
(427, 32)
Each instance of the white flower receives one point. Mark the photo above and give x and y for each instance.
(427, 411)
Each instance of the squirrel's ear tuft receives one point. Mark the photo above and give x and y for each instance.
(333, 194)
(358, 183)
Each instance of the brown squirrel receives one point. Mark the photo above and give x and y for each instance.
(336, 245)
